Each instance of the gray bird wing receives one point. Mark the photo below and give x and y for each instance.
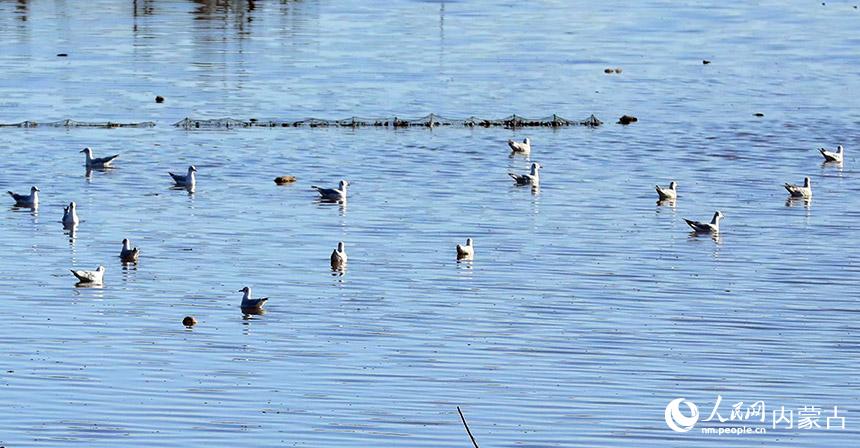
(326, 191)
(84, 276)
(698, 226)
(254, 303)
(105, 160)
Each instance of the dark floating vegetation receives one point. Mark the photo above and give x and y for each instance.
(627, 119)
(77, 124)
(429, 121)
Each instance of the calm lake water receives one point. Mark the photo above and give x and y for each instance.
(588, 307)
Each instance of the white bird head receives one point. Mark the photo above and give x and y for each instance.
(72, 205)
(192, 169)
(100, 268)
(88, 151)
(535, 167)
(126, 244)
(34, 189)
(344, 184)
(839, 149)
(718, 215)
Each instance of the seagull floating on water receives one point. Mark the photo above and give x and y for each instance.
(333, 194)
(29, 201)
(532, 178)
(90, 277)
(796, 191)
(128, 254)
(466, 252)
(524, 147)
(70, 215)
(98, 162)
(338, 256)
(249, 305)
(188, 180)
(704, 227)
(830, 156)
(668, 193)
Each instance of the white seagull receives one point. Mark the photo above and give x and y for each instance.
(830, 156)
(90, 277)
(29, 201)
(333, 194)
(338, 256)
(128, 254)
(532, 178)
(188, 180)
(704, 227)
(796, 191)
(98, 162)
(251, 305)
(466, 252)
(70, 215)
(524, 147)
(668, 193)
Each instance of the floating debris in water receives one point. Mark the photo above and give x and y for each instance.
(627, 119)
(758, 114)
(62, 55)
(281, 180)
(159, 99)
(429, 121)
(77, 124)
(706, 62)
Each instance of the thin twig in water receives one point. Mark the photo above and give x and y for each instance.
(467, 428)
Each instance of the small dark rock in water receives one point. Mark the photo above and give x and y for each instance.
(706, 62)
(281, 180)
(627, 119)
(159, 99)
(618, 70)
(189, 321)
(608, 70)
(62, 55)
(759, 114)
